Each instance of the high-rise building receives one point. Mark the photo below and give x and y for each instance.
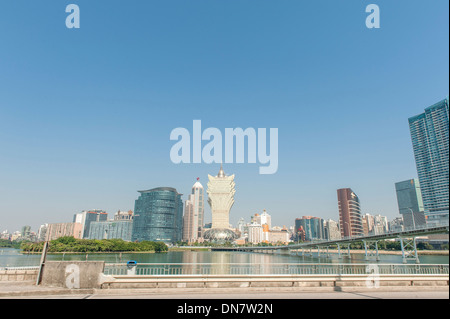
(241, 226)
(120, 227)
(221, 198)
(350, 219)
(111, 229)
(396, 225)
(430, 138)
(381, 224)
(194, 214)
(410, 204)
(57, 230)
(255, 233)
(312, 228)
(368, 224)
(263, 219)
(25, 232)
(158, 215)
(86, 217)
(332, 231)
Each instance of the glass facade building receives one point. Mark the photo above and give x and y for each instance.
(312, 228)
(430, 138)
(111, 229)
(158, 215)
(85, 218)
(410, 204)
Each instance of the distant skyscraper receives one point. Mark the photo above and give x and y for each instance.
(255, 233)
(396, 225)
(430, 138)
(86, 217)
(221, 198)
(194, 214)
(158, 215)
(263, 219)
(368, 224)
(112, 229)
(381, 224)
(313, 228)
(350, 219)
(55, 231)
(26, 230)
(332, 231)
(241, 226)
(409, 199)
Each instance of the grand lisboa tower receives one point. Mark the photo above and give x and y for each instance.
(221, 198)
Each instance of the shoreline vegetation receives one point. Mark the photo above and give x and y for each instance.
(73, 245)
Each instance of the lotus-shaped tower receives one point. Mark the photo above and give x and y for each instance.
(221, 198)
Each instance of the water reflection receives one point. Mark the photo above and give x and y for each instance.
(221, 260)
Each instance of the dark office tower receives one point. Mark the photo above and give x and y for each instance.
(430, 135)
(158, 215)
(350, 218)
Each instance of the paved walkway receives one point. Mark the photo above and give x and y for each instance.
(28, 290)
(15, 289)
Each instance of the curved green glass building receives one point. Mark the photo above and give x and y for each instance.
(158, 215)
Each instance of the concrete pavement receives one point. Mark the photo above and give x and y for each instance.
(27, 290)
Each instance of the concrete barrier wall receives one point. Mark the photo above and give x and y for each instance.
(72, 274)
(274, 281)
(18, 275)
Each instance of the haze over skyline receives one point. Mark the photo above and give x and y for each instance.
(86, 114)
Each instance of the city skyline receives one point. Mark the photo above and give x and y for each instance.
(208, 215)
(86, 122)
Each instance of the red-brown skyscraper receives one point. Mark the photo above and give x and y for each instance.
(350, 218)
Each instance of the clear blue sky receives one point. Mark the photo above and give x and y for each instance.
(85, 115)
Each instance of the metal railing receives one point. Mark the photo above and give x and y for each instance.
(181, 269)
(405, 231)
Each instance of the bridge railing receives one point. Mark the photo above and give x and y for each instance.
(404, 231)
(157, 269)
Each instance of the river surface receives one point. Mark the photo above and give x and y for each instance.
(14, 258)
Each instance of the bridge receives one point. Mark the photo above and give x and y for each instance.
(406, 236)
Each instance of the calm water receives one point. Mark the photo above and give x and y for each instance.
(13, 258)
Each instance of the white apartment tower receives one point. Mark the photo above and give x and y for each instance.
(194, 214)
(264, 219)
